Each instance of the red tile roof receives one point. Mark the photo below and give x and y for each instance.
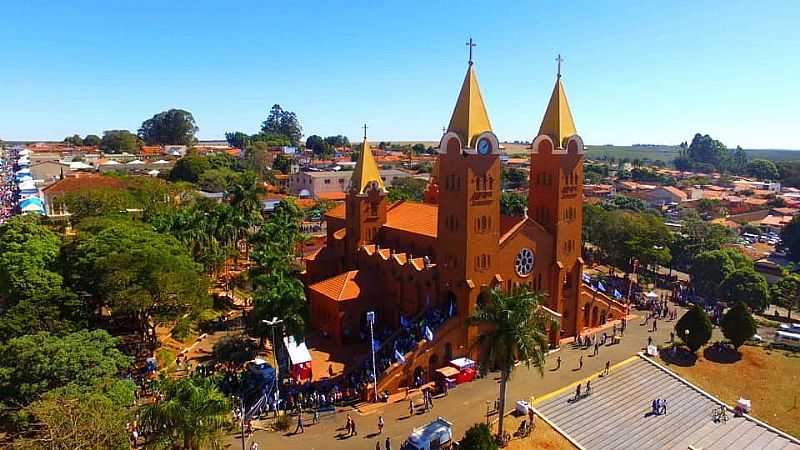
(412, 217)
(342, 287)
(72, 184)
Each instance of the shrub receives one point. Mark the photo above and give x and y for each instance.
(698, 324)
(478, 437)
(235, 349)
(182, 329)
(282, 423)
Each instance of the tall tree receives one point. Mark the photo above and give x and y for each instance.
(738, 324)
(172, 127)
(515, 330)
(786, 293)
(119, 141)
(74, 140)
(319, 146)
(141, 274)
(192, 414)
(710, 269)
(283, 122)
(747, 286)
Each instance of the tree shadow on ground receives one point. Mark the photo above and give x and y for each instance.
(680, 356)
(721, 353)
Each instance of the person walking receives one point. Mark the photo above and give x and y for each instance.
(608, 368)
(378, 445)
(300, 428)
(316, 415)
(349, 425)
(580, 363)
(387, 444)
(596, 348)
(410, 407)
(578, 392)
(380, 426)
(353, 428)
(558, 362)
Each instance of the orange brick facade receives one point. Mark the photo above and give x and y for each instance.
(403, 258)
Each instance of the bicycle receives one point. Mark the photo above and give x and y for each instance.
(719, 414)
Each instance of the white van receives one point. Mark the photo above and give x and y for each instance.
(433, 436)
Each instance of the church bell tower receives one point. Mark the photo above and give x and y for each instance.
(365, 205)
(555, 199)
(468, 179)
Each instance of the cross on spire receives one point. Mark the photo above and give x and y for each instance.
(471, 45)
(365, 131)
(444, 130)
(559, 60)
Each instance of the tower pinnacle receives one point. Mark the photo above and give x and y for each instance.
(471, 45)
(559, 60)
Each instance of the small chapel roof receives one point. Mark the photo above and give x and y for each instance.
(469, 117)
(341, 287)
(557, 122)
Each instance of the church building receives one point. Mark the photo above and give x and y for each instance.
(403, 258)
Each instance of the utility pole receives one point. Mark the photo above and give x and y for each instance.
(371, 321)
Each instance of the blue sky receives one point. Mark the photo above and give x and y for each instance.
(635, 72)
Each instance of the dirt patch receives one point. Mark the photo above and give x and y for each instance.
(769, 378)
(542, 437)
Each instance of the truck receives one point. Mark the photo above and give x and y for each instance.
(433, 436)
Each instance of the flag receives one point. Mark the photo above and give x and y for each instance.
(428, 334)
(376, 345)
(452, 310)
(586, 278)
(405, 323)
(600, 287)
(617, 294)
(399, 357)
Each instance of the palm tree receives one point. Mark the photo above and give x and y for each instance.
(191, 415)
(513, 328)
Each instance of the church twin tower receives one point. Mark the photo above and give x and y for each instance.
(466, 187)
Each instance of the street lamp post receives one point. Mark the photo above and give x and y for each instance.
(272, 324)
(371, 321)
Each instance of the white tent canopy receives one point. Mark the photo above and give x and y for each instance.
(298, 353)
(651, 294)
(135, 162)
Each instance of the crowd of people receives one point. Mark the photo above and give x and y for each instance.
(7, 184)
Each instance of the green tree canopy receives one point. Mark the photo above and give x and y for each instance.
(698, 325)
(218, 180)
(407, 188)
(280, 121)
(747, 286)
(172, 127)
(478, 437)
(30, 282)
(140, 273)
(513, 204)
(514, 329)
(33, 364)
(786, 293)
(738, 324)
(710, 269)
(71, 419)
(337, 141)
(763, 169)
(119, 141)
(91, 140)
(75, 140)
(321, 148)
(192, 414)
(790, 239)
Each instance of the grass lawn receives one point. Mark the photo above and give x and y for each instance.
(769, 378)
(543, 437)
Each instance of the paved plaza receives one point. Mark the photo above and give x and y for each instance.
(617, 414)
(465, 405)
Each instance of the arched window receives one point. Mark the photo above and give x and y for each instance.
(483, 223)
